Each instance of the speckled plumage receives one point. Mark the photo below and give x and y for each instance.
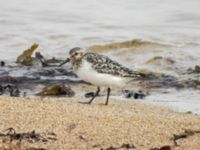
(103, 64)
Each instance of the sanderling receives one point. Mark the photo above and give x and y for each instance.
(100, 70)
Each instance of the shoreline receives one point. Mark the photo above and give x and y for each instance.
(96, 126)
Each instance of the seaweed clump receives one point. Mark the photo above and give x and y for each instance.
(25, 58)
(13, 140)
(135, 95)
(184, 135)
(57, 90)
(11, 90)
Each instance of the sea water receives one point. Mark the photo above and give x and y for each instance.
(59, 25)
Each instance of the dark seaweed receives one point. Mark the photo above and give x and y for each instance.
(11, 137)
(184, 135)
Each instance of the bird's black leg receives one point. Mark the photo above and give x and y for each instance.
(108, 94)
(95, 95)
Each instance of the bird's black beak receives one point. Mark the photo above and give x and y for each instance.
(64, 62)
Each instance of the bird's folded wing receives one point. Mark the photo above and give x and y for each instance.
(103, 64)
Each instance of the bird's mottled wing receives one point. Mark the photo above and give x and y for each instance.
(103, 64)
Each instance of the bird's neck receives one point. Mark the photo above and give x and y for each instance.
(76, 64)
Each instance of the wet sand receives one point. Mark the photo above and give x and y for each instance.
(96, 126)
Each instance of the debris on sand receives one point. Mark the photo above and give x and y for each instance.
(165, 147)
(13, 140)
(57, 90)
(123, 146)
(184, 135)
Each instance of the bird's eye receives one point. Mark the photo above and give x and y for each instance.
(76, 54)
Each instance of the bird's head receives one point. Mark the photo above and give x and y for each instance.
(76, 54)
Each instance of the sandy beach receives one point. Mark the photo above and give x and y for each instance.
(96, 126)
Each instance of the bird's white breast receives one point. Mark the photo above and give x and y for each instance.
(88, 74)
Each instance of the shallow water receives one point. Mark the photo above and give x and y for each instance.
(183, 101)
(59, 25)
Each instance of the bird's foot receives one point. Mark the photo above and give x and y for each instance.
(84, 102)
(90, 94)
